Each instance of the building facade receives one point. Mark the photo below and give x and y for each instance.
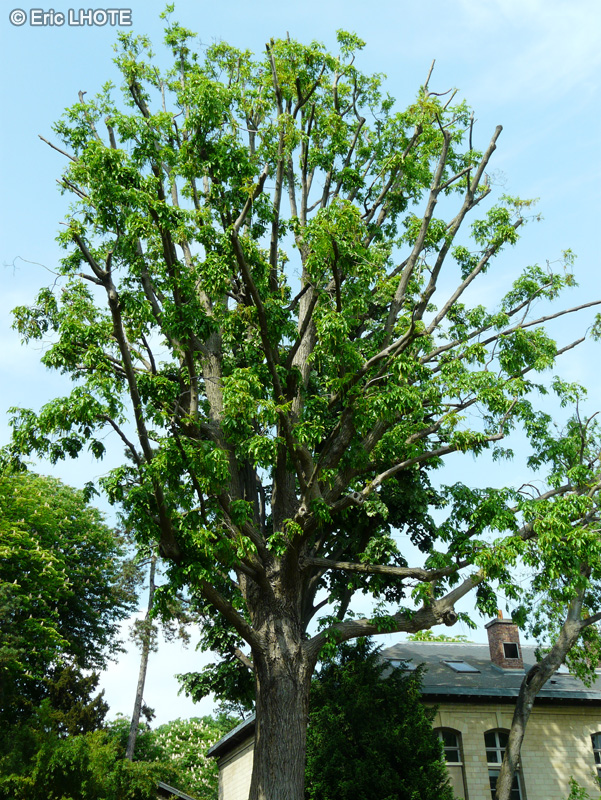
(474, 688)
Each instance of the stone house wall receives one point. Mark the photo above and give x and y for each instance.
(557, 746)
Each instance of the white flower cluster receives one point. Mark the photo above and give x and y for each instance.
(186, 743)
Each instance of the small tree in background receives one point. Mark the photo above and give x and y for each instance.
(369, 735)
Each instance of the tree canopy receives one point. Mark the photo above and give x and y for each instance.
(65, 585)
(270, 296)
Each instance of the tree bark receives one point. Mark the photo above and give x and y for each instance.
(533, 682)
(283, 666)
(281, 732)
(146, 646)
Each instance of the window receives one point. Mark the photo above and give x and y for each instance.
(460, 666)
(453, 753)
(495, 743)
(399, 663)
(596, 741)
(510, 650)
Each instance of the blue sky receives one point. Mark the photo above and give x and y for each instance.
(533, 66)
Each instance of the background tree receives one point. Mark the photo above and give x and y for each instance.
(68, 709)
(174, 617)
(71, 708)
(428, 636)
(280, 420)
(369, 735)
(66, 583)
(185, 743)
(182, 744)
(145, 636)
(89, 766)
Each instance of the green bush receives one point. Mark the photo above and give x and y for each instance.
(369, 736)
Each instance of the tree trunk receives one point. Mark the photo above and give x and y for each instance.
(146, 646)
(532, 683)
(280, 735)
(283, 681)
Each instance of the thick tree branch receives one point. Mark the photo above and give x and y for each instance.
(382, 569)
(533, 682)
(441, 611)
(242, 627)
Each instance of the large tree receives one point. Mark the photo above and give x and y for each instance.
(269, 297)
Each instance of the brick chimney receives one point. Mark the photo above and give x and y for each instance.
(504, 643)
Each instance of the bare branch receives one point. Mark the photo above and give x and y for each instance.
(130, 445)
(58, 149)
(429, 75)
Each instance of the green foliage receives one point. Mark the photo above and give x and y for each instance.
(70, 708)
(577, 792)
(428, 636)
(563, 554)
(228, 680)
(85, 767)
(369, 735)
(183, 745)
(287, 349)
(43, 759)
(65, 585)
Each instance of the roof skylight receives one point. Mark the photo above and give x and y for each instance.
(460, 666)
(401, 663)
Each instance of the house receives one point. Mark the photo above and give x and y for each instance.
(234, 754)
(474, 687)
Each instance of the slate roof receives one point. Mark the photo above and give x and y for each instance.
(440, 682)
(490, 682)
(232, 739)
